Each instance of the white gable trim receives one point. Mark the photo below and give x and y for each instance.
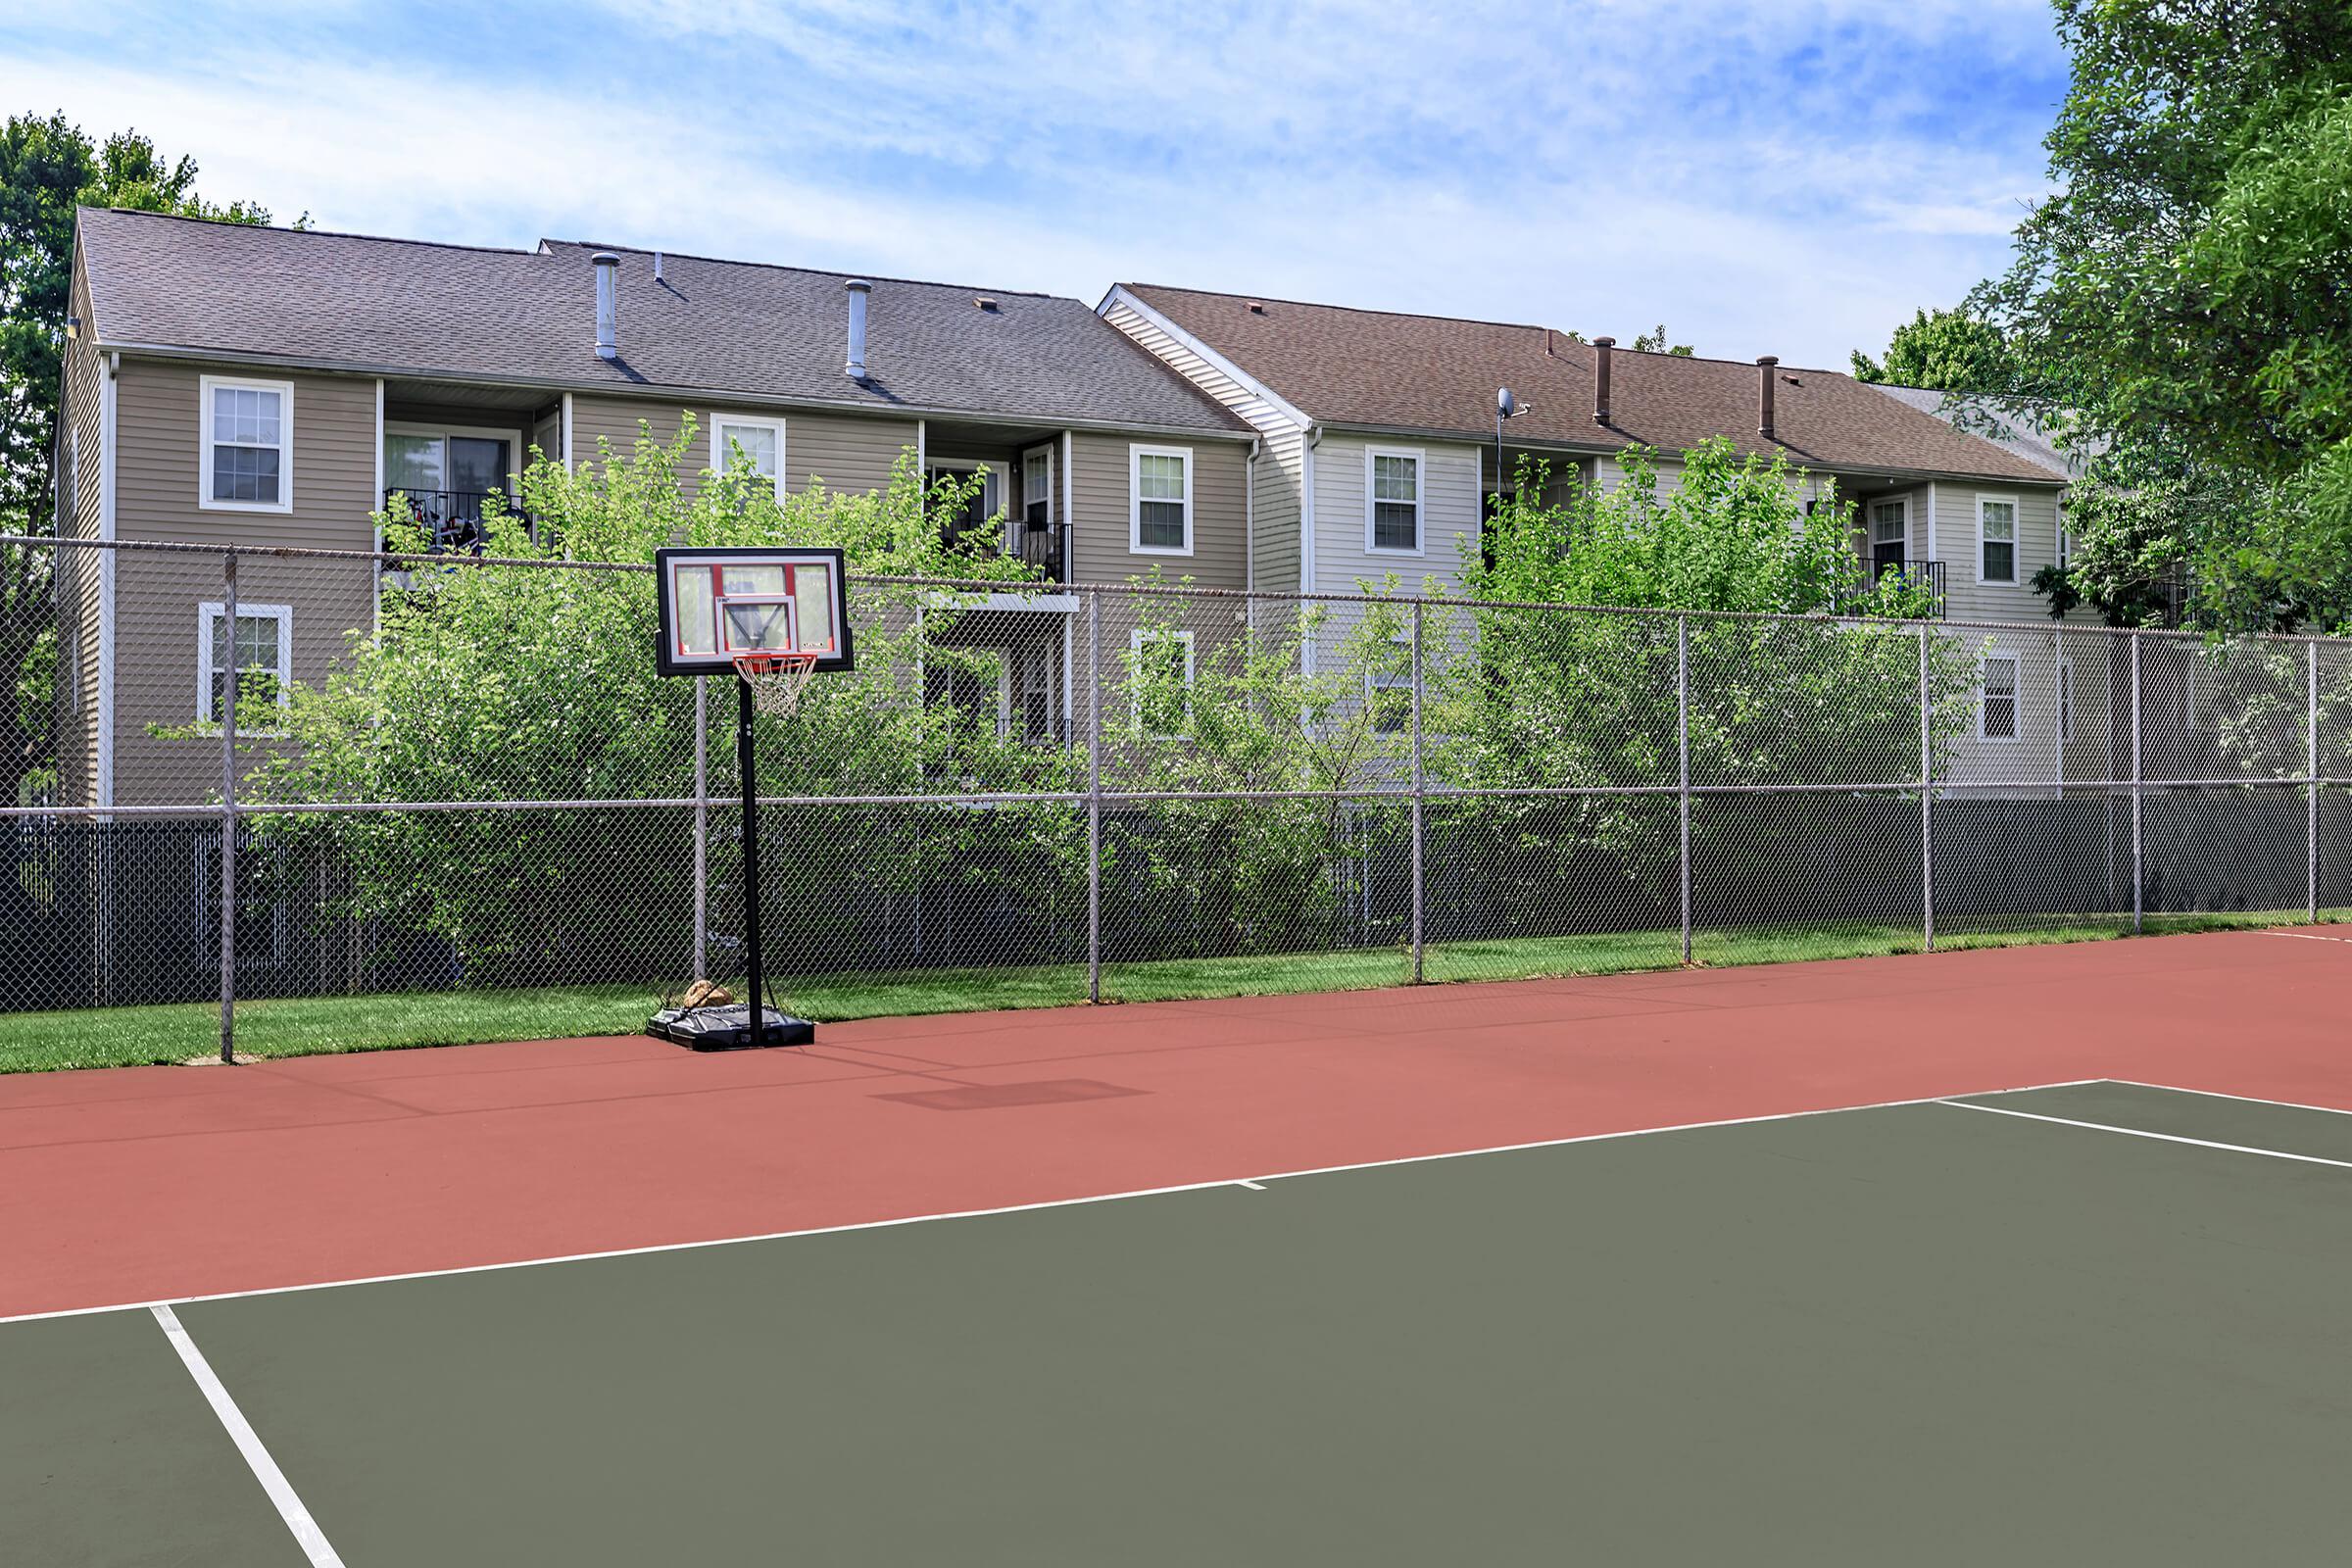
(1248, 383)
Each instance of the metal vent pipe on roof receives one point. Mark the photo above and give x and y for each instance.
(608, 304)
(1602, 348)
(1764, 369)
(858, 290)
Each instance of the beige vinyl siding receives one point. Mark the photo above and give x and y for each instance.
(1955, 533)
(1100, 515)
(845, 452)
(156, 596)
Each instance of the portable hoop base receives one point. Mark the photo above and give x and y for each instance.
(728, 1028)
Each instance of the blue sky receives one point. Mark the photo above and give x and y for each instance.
(1792, 177)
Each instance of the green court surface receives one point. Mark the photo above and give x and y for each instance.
(2073, 1327)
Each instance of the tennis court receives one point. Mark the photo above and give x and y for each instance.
(2034, 1255)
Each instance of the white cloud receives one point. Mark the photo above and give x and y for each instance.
(1762, 179)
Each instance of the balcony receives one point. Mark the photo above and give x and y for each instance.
(1044, 546)
(452, 519)
(1928, 574)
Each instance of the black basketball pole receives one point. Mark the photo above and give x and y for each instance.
(751, 855)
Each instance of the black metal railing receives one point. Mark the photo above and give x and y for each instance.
(1044, 546)
(1928, 574)
(452, 519)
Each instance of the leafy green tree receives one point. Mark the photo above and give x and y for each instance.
(1545, 698)
(539, 683)
(1653, 341)
(48, 166)
(2184, 293)
(1949, 351)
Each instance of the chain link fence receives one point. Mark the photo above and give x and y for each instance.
(449, 776)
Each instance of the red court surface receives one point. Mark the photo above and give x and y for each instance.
(146, 1184)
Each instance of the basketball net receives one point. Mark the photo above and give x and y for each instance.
(776, 679)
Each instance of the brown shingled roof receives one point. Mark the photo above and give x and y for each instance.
(1439, 375)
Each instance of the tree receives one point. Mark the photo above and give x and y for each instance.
(48, 166)
(2184, 289)
(1948, 350)
(1559, 700)
(1653, 341)
(539, 683)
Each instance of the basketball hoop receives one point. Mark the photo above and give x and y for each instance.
(776, 679)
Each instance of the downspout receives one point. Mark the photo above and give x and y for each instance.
(1249, 519)
(376, 607)
(1306, 534)
(109, 418)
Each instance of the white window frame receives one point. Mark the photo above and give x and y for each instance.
(1135, 503)
(1870, 522)
(2065, 540)
(1135, 640)
(2016, 544)
(1376, 682)
(2017, 701)
(1045, 451)
(1420, 459)
(207, 385)
(213, 610)
(719, 424)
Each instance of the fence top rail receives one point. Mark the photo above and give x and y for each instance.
(399, 559)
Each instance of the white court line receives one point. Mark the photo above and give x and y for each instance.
(1010, 1208)
(2299, 936)
(2141, 1132)
(1255, 1187)
(307, 1534)
(2244, 1100)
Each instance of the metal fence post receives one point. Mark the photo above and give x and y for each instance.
(702, 826)
(2311, 748)
(1926, 800)
(1681, 708)
(2136, 851)
(1420, 791)
(1094, 794)
(228, 808)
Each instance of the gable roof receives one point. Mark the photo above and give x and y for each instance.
(2014, 430)
(454, 312)
(1439, 375)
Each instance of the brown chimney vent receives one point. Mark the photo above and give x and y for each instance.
(1764, 367)
(1601, 354)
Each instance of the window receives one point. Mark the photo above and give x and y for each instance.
(1996, 540)
(1388, 689)
(761, 442)
(450, 476)
(2066, 540)
(980, 507)
(1889, 535)
(1392, 501)
(264, 657)
(1997, 704)
(1037, 487)
(1161, 683)
(1160, 483)
(248, 438)
(1041, 717)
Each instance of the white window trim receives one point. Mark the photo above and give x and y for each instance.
(2017, 697)
(206, 386)
(1135, 505)
(1420, 456)
(2015, 541)
(718, 460)
(1870, 522)
(1134, 663)
(213, 610)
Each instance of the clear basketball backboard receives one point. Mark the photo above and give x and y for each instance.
(719, 605)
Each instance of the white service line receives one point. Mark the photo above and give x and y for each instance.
(307, 1534)
(2244, 1100)
(1255, 1187)
(2141, 1132)
(1013, 1209)
(2299, 936)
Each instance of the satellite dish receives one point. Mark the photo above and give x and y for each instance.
(1505, 405)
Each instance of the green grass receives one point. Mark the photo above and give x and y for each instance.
(33, 1042)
